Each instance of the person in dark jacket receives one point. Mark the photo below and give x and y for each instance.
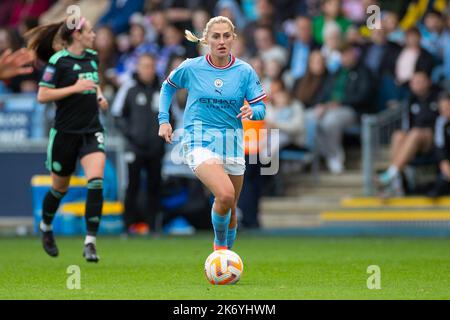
(308, 88)
(412, 58)
(380, 54)
(301, 47)
(344, 96)
(442, 147)
(136, 112)
(380, 57)
(416, 134)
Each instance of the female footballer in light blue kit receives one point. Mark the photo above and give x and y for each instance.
(217, 85)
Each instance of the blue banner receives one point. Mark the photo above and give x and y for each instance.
(21, 118)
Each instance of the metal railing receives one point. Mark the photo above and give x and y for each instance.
(377, 131)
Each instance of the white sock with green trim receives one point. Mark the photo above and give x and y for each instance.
(90, 239)
(45, 227)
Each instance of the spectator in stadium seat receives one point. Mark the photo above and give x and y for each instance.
(442, 143)
(126, 65)
(199, 19)
(240, 48)
(118, 14)
(379, 53)
(330, 49)
(287, 115)
(257, 63)
(415, 11)
(173, 44)
(308, 88)
(105, 44)
(272, 70)
(389, 23)
(267, 47)
(431, 30)
(155, 22)
(416, 135)
(8, 39)
(331, 13)
(231, 10)
(301, 47)
(266, 17)
(412, 58)
(135, 109)
(355, 10)
(354, 37)
(344, 96)
(379, 57)
(309, 7)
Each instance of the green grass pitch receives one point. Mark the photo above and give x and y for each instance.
(274, 268)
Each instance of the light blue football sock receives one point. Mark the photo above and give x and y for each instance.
(231, 236)
(220, 224)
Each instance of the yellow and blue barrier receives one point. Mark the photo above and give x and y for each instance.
(69, 219)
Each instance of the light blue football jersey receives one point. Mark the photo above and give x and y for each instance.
(215, 96)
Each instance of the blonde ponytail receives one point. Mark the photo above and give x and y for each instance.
(192, 37)
(219, 19)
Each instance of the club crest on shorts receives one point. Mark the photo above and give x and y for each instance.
(218, 83)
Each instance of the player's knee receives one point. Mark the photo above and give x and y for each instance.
(415, 133)
(61, 186)
(398, 135)
(226, 198)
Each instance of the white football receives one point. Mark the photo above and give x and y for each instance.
(223, 267)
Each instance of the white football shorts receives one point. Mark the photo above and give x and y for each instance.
(233, 165)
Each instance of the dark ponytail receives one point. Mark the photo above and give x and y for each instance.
(44, 40)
